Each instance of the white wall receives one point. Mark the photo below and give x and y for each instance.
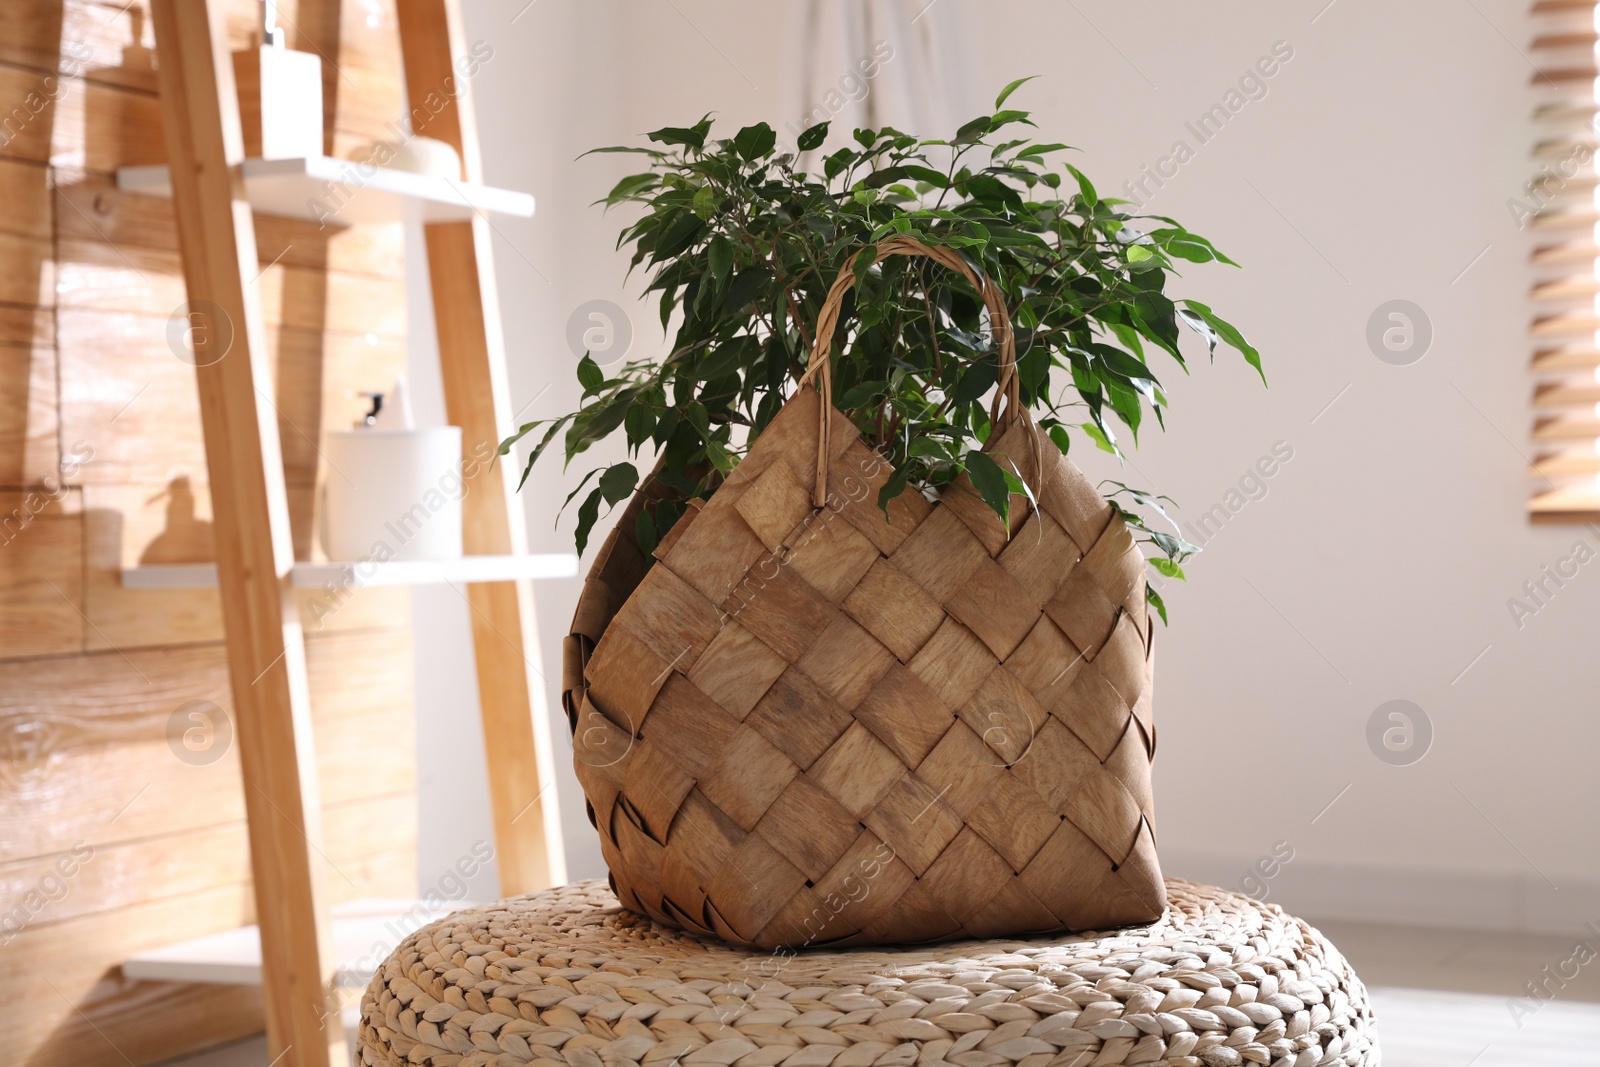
(1380, 562)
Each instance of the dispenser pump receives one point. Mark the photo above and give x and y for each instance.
(271, 32)
(391, 410)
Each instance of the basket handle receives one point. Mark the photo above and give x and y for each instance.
(1007, 402)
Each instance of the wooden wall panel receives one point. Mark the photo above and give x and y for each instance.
(29, 275)
(84, 979)
(92, 673)
(100, 126)
(25, 188)
(84, 746)
(27, 327)
(98, 1017)
(41, 573)
(28, 411)
(101, 42)
(128, 278)
(364, 840)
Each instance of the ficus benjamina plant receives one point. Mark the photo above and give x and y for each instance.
(741, 247)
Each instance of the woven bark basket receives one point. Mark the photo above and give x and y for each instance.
(567, 977)
(944, 722)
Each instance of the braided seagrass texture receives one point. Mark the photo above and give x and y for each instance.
(797, 694)
(565, 977)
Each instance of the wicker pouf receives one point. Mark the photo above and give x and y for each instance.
(568, 977)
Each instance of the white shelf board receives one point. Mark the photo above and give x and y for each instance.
(361, 575)
(364, 933)
(348, 192)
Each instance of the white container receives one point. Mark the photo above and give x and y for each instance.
(425, 155)
(393, 494)
(280, 101)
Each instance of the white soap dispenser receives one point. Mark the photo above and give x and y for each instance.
(392, 490)
(280, 95)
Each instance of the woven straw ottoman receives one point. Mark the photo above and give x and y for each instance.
(567, 977)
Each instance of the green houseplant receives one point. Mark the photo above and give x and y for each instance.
(742, 247)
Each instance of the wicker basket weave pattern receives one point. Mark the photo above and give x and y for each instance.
(811, 724)
(565, 977)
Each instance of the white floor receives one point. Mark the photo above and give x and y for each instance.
(1440, 996)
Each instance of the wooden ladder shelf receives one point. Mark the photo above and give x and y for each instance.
(255, 559)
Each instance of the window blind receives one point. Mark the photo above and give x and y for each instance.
(1560, 205)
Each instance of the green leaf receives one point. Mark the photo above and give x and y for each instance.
(1016, 485)
(692, 136)
(1098, 436)
(618, 482)
(1191, 246)
(1009, 89)
(972, 131)
(1167, 567)
(755, 142)
(858, 395)
(640, 422)
(590, 376)
(1230, 334)
(696, 414)
(893, 488)
(555, 426)
(1156, 602)
(813, 137)
(1085, 187)
(865, 261)
(1176, 548)
(632, 185)
(1058, 434)
(705, 202)
(588, 512)
(736, 355)
(747, 284)
(1158, 316)
(979, 378)
(835, 164)
(889, 175)
(990, 482)
(719, 258)
(644, 531)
